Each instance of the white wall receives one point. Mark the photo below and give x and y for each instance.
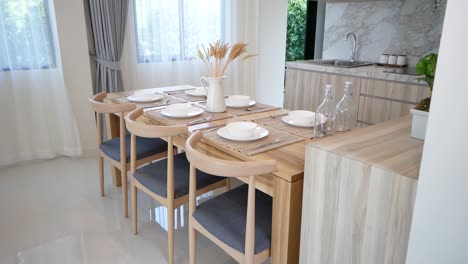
(439, 231)
(272, 51)
(73, 43)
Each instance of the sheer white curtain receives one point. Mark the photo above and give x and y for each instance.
(35, 114)
(162, 37)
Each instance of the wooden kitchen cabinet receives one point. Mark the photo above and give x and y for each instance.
(305, 90)
(302, 90)
(376, 100)
(383, 100)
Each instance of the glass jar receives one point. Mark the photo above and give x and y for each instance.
(325, 115)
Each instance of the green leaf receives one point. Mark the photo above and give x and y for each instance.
(427, 67)
(421, 67)
(295, 40)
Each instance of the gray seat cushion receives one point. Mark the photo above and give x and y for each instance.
(154, 177)
(145, 147)
(225, 216)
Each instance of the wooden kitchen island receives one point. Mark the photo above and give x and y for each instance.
(359, 192)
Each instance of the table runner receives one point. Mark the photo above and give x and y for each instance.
(276, 122)
(182, 95)
(251, 147)
(121, 100)
(157, 116)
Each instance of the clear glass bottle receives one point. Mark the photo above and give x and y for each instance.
(325, 115)
(346, 110)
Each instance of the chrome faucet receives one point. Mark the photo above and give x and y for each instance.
(353, 53)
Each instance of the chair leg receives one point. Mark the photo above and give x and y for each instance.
(192, 243)
(170, 234)
(228, 185)
(101, 174)
(134, 208)
(123, 173)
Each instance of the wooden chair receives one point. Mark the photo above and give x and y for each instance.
(238, 221)
(166, 180)
(117, 150)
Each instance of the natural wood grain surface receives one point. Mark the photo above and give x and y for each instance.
(382, 100)
(359, 191)
(305, 90)
(387, 145)
(376, 100)
(355, 212)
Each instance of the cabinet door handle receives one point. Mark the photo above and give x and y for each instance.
(389, 99)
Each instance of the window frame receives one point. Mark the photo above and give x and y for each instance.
(157, 59)
(50, 44)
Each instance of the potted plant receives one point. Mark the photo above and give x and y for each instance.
(426, 67)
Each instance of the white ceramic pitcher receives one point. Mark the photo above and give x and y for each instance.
(215, 94)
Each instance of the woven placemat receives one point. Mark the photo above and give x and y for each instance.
(182, 95)
(257, 108)
(157, 116)
(162, 102)
(276, 123)
(252, 147)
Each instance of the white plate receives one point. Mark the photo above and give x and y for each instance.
(197, 92)
(145, 98)
(288, 121)
(193, 111)
(251, 103)
(260, 132)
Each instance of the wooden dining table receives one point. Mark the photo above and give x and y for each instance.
(285, 185)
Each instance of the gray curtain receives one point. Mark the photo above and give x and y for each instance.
(108, 20)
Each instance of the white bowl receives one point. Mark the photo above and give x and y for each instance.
(179, 109)
(241, 129)
(239, 100)
(302, 117)
(199, 91)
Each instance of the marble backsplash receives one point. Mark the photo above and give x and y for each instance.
(411, 27)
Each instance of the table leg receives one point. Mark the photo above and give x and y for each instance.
(112, 127)
(286, 226)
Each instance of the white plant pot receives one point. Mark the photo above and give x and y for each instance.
(418, 128)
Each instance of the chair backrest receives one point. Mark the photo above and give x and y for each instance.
(152, 131)
(100, 107)
(227, 168)
(224, 168)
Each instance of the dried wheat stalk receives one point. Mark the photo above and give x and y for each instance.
(215, 56)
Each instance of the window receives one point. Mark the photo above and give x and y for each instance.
(171, 30)
(25, 35)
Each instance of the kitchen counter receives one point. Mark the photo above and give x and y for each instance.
(372, 72)
(359, 192)
(387, 145)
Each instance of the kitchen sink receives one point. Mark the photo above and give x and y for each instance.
(341, 63)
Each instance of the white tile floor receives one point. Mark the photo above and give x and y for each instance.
(52, 213)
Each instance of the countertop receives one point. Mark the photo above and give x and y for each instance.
(359, 193)
(386, 145)
(372, 71)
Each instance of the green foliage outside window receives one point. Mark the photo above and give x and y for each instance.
(25, 36)
(295, 36)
